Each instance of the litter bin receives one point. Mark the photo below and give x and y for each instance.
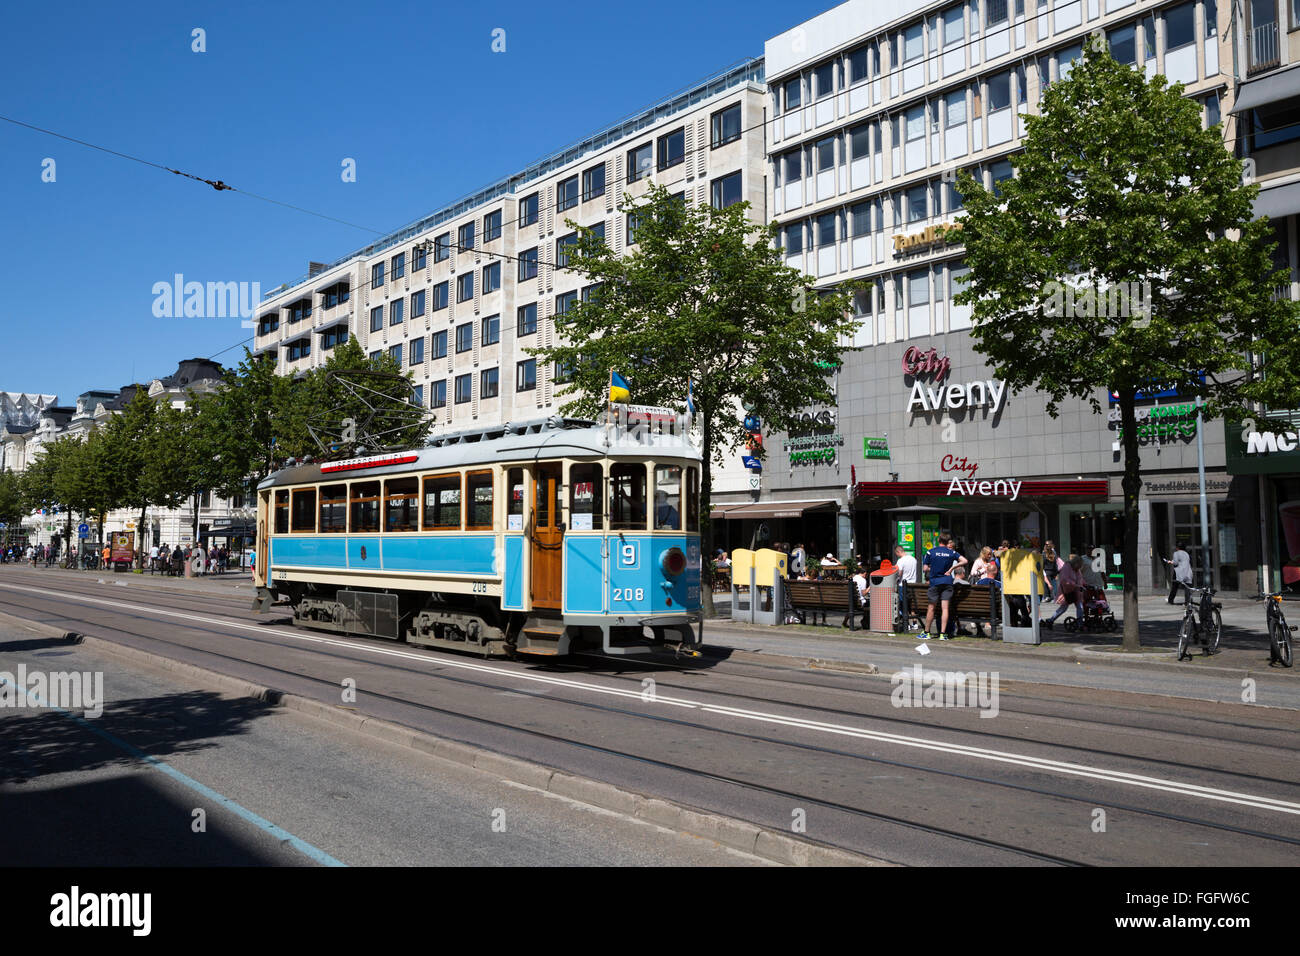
(883, 598)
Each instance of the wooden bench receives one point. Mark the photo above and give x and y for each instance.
(819, 597)
(968, 602)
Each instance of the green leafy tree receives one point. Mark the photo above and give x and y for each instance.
(11, 499)
(704, 297)
(1119, 188)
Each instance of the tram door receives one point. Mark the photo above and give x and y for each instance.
(547, 537)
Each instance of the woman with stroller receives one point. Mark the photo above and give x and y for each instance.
(1071, 581)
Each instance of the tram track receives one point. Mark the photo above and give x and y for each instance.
(332, 656)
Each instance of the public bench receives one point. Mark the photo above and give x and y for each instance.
(819, 597)
(969, 603)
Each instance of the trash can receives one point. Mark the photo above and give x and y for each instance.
(883, 598)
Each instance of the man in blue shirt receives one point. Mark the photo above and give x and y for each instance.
(938, 563)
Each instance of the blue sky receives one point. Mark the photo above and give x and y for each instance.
(283, 94)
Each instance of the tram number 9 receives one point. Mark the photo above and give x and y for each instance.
(629, 594)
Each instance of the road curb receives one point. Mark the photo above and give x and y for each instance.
(727, 831)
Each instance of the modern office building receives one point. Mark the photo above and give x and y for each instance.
(1266, 107)
(872, 108)
(459, 296)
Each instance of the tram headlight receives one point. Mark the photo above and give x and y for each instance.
(673, 562)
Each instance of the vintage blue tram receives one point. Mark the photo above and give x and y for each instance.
(537, 538)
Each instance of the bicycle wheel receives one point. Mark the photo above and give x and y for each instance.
(1185, 637)
(1214, 630)
(1279, 637)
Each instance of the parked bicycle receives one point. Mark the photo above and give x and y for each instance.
(1202, 622)
(1279, 632)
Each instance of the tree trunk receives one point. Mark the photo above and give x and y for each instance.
(706, 524)
(1132, 488)
(139, 534)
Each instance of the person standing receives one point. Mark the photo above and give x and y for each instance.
(1181, 563)
(908, 573)
(939, 562)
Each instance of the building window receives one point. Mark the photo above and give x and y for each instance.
(417, 304)
(438, 394)
(726, 191)
(726, 126)
(598, 230)
(299, 349)
(300, 310)
(490, 333)
(376, 355)
(672, 148)
(1123, 44)
(377, 319)
(464, 337)
(464, 389)
(268, 323)
(464, 287)
(526, 376)
(593, 182)
(793, 90)
(639, 162)
(633, 224)
(566, 194)
(399, 265)
(489, 385)
(440, 295)
(332, 296)
(913, 40)
(564, 248)
(528, 264)
(465, 237)
(824, 152)
(418, 397)
(528, 210)
(397, 312)
(1001, 171)
(997, 12)
(826, 231)
(417, 351)
(591, 293)
(563, 301)
(491, 278)
(824, 80)
(792, 166)
(492, 226)
(915, 202)
(526, 321)
(419, 257)
(332, 337)
(377, 276)
(438, 345)
(396, 352)
(442, 247)
(858, 66)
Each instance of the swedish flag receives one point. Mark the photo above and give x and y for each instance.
(618, 389)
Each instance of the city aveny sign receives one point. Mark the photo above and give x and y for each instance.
(999, 488)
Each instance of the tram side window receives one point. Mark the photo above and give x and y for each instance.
(515, 499)
(401, 504)
(364, 501)
(478, 491)
(627, 489)
(282, 512)
(584, 497)
(304, 510)
(334, 509)
(692, 499)
(442, 503)
(668, 498)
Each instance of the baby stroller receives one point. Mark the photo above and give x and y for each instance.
(1097, 615)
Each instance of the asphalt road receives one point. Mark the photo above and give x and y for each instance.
(1055, 774)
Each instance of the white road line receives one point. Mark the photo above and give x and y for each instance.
(921, 743)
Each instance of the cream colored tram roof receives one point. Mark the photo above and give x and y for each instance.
(585, 440)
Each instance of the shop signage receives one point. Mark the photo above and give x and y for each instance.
(919, 364)
(814, 449)
(1160, 422)
(951, 463)
(1185, 486)
(1153, 391)
(926, 238)
(1001, 488)
(875, 448)
(810, 421)
(989, 393)
(1252, 452)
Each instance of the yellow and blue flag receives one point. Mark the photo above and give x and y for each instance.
(618, 389)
